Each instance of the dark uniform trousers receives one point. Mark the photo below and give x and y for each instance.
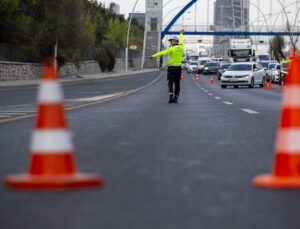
(174, 75)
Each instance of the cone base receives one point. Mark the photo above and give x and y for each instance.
(271, 181)
(57, 182)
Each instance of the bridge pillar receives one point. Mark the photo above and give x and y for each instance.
(152, 36)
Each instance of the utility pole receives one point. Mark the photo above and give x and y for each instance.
(208, 15)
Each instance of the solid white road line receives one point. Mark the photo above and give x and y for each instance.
(96, 98)
(4, 116)
(250, 111)
(17, 111)
(10, 113)
(228, 103)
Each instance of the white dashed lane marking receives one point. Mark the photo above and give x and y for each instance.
(228, 103)
(217, 97)
(210, 94)
(250, 111)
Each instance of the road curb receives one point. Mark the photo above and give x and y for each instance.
(78, 80)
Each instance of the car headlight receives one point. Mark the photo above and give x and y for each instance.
(206, 68)
(245, 76)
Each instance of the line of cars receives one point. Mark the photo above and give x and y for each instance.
(240, 73)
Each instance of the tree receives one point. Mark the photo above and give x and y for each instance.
(117, 31)
(276, 48)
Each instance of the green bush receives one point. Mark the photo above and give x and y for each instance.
(106, 59)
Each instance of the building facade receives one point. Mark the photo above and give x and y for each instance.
(229, 15)
(153, 28)
(139, 17)
(114, 7)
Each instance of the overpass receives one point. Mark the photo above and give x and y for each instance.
(250, 31)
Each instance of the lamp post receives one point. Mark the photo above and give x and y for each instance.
(127, 40)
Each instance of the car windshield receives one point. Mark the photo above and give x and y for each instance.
(240, 67)
(193, 63)
(264, 57)
(264, 64)
(211, 64)
(271, 66)
(225, 66)
(202, 62)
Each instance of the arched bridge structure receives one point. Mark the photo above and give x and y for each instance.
(172, 29)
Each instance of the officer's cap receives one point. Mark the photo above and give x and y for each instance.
(174, 38)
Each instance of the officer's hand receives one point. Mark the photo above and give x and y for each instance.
(151, 57)
(182, 31)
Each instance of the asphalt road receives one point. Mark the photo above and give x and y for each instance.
(166, 166)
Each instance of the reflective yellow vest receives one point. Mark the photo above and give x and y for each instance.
(175, 53)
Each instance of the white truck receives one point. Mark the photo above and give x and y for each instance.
(237, 50)
(262, 55)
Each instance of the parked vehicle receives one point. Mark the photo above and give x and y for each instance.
(243, 74)
(269, 71)
(265, 65)
(237, 50)
(223, 67)
(284, 69)
(211, 67)
(262, 56)
(275, 73)
(201, 62)
(192, 67)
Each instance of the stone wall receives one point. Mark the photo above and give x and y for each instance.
(29, 71)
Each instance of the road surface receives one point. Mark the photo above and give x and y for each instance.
(166, 166)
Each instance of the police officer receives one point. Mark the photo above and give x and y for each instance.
(175, 53)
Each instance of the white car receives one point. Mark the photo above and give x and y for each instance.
(275, 73)
(244, 74)
(193, 66)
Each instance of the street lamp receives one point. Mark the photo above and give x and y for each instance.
(127, 40)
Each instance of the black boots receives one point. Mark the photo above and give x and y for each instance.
(173, 99)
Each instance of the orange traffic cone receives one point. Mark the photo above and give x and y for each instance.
(266, 84)
(197, 78)
(282, 86)
(52, 164)
(270, 85)
(286, 170)
(212, 79)
(182, 76)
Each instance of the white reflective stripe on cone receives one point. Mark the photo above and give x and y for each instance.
(51, 141)
(288, 141)
(291, 97)
(50, 91)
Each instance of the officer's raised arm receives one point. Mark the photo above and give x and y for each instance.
(181, 37)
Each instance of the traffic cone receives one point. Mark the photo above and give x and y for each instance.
(212, 80)
(197, 78)
(282, 86)
(52, 163)
(286, 169)
(182, 76)
(266, 84)
(270, 85)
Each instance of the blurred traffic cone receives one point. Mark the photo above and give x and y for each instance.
(282, 86)
(197, 78)
(52, 163)
(270, 85)
(212, 80)
(182, 76)
(266, 84)
(286, 170)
